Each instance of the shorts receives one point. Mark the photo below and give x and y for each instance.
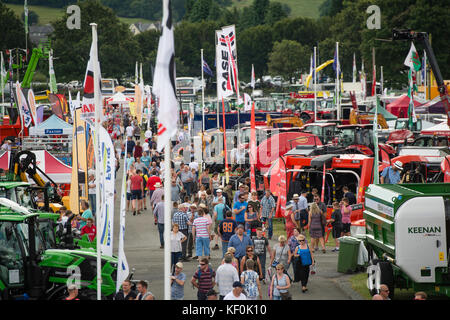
(136, 194)
(129, 196)
(346, 227)
(337, 232)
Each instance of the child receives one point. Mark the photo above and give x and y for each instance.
(336, 222)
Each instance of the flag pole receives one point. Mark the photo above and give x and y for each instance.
(338, 94)
(167, 220)
(203, 106)
(315, 86)
(97, 151)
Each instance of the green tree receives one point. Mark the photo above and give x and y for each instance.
(260, 8)
(287, 58)
(331, 7)
(254, 46)
(275, 12)
(148, 48)
(118, 49)
(200, 10)
(33, 17)
(12, 29)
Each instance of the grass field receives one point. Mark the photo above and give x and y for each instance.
(47, 15)
(299, 8)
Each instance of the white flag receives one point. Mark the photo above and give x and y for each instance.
(32, 105)
(226, 63)
(164, 81)
(107, 162)
(247, 102)
(2, 75)
(88, 103)
(354, 68)
(122, 265)
(22, 105)
(252, 81)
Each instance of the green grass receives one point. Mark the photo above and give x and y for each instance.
(47, 14)
(299, 8)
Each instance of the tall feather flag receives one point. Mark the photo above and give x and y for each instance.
(253, 152)
(252, 79)
(413, 62)
(2, 76)
(375, 143)
(123, 269)
(164, 82)
(25, 9)
(22, 105)
(354, 68)
(51, 71)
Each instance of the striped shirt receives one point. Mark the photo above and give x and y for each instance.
(201, 227)
(181, 218)
(205, 281)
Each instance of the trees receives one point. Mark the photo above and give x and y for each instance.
(288, 57)
(118, 50)
(33, 17)
(12, 29)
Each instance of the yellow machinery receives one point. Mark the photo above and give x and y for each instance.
(293, 120)
(356, 118)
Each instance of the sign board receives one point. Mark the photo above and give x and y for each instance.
(53, 131)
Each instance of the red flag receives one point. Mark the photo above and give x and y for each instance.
(252, 149)
(374, 80)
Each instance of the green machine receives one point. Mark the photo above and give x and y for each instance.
(408, 230)
(30, 267)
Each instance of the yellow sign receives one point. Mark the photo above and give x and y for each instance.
(441, 256)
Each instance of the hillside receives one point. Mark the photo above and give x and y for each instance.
(299, 8)
(47, 14)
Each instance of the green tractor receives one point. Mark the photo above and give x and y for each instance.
(31, 268)
(25, 195)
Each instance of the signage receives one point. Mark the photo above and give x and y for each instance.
(53, 131)
(377, 206)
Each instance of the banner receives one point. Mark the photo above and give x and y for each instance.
(107, 166)
(32, 105)
(74, 196)
(354, 68)
(164, 82)
(375, 143)
(252, 80)
(138, 102)
(247, 102)
(22, 105)
(88, 103)
(2, 76)
(225, 79)
(51, 72)
(253, 152)
(123, 269)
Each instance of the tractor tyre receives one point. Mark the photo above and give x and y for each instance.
(387, 277)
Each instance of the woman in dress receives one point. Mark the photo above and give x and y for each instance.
(290, 220)
(315, 227)
(250, 217)
(250, 280)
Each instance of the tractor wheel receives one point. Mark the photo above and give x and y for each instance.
(373, 272)
(378, 273)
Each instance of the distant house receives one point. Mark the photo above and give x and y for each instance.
(140, 27)
(40, 33)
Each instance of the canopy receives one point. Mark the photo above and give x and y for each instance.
(441, 129)
(53, 125)
(53, 167)
(434, 106)
(118, 98)
(400, 106)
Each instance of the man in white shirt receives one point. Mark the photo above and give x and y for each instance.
(130, 131)
(226, 275)
(236, 293)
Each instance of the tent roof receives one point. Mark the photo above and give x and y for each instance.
(439, 129)
(434, 106)
(118, 98)
(53, 125)
(402, 101)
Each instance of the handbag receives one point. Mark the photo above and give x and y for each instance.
(284, 295)
(276, 262)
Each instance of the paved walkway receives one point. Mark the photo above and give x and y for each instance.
(142, 249)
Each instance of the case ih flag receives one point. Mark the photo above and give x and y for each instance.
(164, 81)
(226, 64)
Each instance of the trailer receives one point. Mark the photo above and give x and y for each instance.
(408, 237)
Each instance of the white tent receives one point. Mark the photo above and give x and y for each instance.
(52, 126)
(118, 98)
(441, 129)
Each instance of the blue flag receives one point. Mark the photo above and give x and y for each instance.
(207, 69)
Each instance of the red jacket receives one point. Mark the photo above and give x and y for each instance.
(152, 180)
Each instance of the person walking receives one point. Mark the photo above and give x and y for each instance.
(251, 219)
(280, 283)
(336, 223)
(187, 178)
(92, 192)
(250, 255)
(203, 279)
(349, 195)
(268, 206)
(234, 261)
(239, 208)
(144, 294)
(225, 230)
(281, 254)
(305, 258)
(240, 241)
(137, 189)
(219, 215)
(315, 227)
(201, 233)
(262, 246)
(290, 223)
(251, 282)
(151, 183)
(226, 275)
(181, 218)
(236, 293)
(392, 174)
(158, 213)
(178, 278)
(176, 239)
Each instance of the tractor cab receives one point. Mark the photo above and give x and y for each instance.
(326, 131)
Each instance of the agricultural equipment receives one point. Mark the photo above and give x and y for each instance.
(408, 237)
